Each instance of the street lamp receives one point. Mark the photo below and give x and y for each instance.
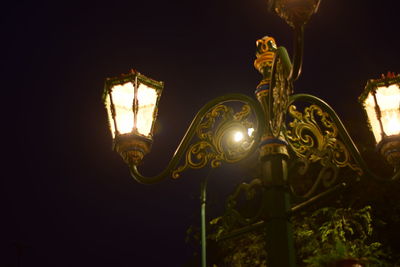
(381, 101)
(131, 101)
(288, 140)
(296, 13)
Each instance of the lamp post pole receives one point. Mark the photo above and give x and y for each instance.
(278, 229)
(203, 202)
(278, 73)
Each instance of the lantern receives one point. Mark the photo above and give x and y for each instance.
(296, 13)
(131, 101)
(381, 101)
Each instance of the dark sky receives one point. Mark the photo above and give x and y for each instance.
(65, 195)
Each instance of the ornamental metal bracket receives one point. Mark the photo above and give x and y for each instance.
(209, 139)
(216, 142)
(321, 146)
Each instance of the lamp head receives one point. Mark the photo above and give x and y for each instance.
(381, 102)
(131, 101)
(296, 13)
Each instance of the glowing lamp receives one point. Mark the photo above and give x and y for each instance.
(131, 101)
(381, 102)
(296, 13)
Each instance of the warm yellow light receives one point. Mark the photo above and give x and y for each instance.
(388, 100)
(122, 96)
(238, 136)
(392, 122)
(147, 98)
(250, 132)
(109, 114)
(369, 105)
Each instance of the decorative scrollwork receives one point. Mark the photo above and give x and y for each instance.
(313, 137)
(243, 206)
(216, 134)
(281, 89)
(209, 137)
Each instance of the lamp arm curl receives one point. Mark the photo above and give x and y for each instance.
(298, 48)
(344, 135)
(208, 150)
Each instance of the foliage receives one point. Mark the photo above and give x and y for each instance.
(331, 234)
(247, 250)
(368, 231)
(244, 252)
(327, 235)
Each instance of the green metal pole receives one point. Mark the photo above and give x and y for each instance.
(278, 229)
(273, 150)
(203, 195)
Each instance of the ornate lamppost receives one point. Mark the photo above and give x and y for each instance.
(289, 140)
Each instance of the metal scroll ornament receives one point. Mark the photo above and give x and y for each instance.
(313, 137)
(217, 139)
(281, 90)
(251, 193)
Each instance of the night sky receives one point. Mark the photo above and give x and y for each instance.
(66, 197)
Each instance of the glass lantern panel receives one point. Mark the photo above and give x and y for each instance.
(147, 99)
(123, 96)
(388, 99)
(369, 105)
(109, 115)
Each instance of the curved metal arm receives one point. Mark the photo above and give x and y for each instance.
(298, 47)
(191, 132)
(344, 135)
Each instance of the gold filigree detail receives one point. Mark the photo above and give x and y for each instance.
(281, 89)
(132, 148)
(264, 60)
(313, 137)
(390, 151)
(261, 94)
(273, 149)
(266, 48)
(216, 142)
(265, 54)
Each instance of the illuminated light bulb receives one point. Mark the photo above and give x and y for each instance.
(392, 122)
(387, 99)
(147, 99)
(238, 136)
(250, 131)
(123, 96)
